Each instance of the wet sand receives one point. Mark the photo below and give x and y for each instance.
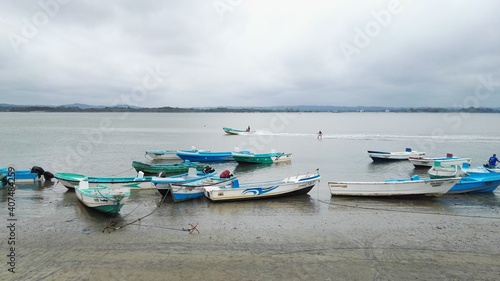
(303, 238)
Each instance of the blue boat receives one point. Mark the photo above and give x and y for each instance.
(196, 155)
(476, 183)
(24, 176)
(164, 184)
(195, 189)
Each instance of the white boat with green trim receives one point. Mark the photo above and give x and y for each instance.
(70, 180)
(101, 197)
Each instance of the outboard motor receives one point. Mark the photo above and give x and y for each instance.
(37, 170)
(208, 170)
(48, 175)
(162, 175)
(3, 179)
(225, 174)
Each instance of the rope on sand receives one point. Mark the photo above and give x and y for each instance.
(112, 225)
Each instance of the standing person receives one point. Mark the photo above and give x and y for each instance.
(320, 135)
(492, 162)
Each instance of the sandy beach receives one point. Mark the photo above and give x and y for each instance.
(319, 240)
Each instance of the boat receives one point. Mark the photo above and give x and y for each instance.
(231, 131)
(195, 189)
(70, 180)
(159, 154)
(261, 158)
(169, 168)
(449, 171)
(164, 184)
(205, 155)
(378, 156)
(101, 197)
(476, 183)
(414, 186)
(30, 176)
(420, 161)
(236, 191)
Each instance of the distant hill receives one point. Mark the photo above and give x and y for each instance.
(79, 107)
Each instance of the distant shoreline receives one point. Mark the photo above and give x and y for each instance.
(301, 109)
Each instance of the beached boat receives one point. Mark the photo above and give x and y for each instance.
(261, 158)
(159, 154)
(476, 182)
(294, 185)
(195, 189)
(414, 186)
(70, 180)
(393, 156)
(101, 197)
(205, 155)
(438, 170)
(420, 161)
(164, 184)
(232, 131)
(30, 176)
(169, 168)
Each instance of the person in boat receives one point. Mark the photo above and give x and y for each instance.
(492, 162)
(320, 135)
(248, 129)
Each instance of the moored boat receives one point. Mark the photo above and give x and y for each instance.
(70, 180)
(393, 156)
(164, 184)
(420, 161)
(205, 155)
(476, 183)
(235, 191)
(101, 197)
(159, 154)
(30, 176)
(261, 158)
(195, 189)
(414, 186)
(170, 168)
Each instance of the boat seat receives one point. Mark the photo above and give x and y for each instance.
(83, 185)
(192, 173)
(140, 175)
(415, 177)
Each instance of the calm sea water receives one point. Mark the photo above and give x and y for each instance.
(106, 143)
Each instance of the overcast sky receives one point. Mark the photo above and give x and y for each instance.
(189, 53)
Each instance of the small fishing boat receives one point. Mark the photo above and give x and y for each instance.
(101, 197)
(420, 161)
(294, 185)
(231, 131)
(195, 189)
(70, 180)
(169, 168)
(438, 171)
(205, 155)
(30, 176)
(476, 182)
(159, 154)
(378, 156)
(261, 158)
(414, 186)
(164, 184)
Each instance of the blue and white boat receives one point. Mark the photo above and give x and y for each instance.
(164, 184)
(195, 189)
(420, 161)
(70, 180)
(102, 197)
(294, 185)
(24, 176)
(195, 155)
(476, 183)
(378, 156)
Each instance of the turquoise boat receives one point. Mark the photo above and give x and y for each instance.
(70, 180)
(244, 157)
(101, 197)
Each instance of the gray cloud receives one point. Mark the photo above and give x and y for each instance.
(253, 53)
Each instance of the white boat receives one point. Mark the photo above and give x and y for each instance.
(414, 186)
(231, 131)
(70, 180)
(195, 189)
(164, 184)
(393, 156)
(294, 185)
(101, 197)
(420, 161)
(159, 154)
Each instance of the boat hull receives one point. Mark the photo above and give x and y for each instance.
(162, 154)
(164, 185)
(177, 168)
(425, 187)
(70, 180)
(205, 156)
(291, 186)
(476, 183)
(445, 161)
(384, 156)
(265, 158)
(103, 198)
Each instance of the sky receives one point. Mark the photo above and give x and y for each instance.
(187, 53)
